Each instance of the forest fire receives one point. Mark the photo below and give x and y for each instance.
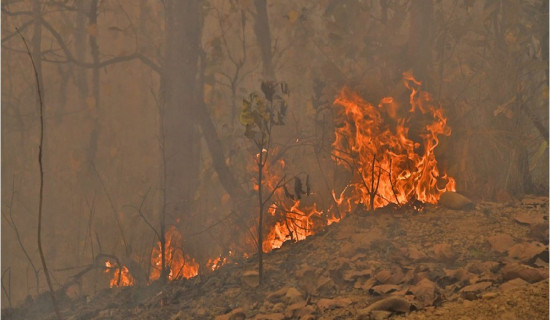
(388, 148)
(178, 264)
(121, 275)
(389, 164)
(297, 224)
(293, 220)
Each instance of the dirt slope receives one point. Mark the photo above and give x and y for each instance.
(487, 263)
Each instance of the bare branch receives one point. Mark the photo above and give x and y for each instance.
(71, 58)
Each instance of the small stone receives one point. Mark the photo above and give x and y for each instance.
(327, 304)
(270, 316)
(251, 278)
(489, 295)
(380, 315)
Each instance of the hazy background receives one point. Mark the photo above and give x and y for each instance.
(142, 102)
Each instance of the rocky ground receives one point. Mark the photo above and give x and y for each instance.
(490, 262)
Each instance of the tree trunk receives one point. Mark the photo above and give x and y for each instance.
(183, 27)
(420, 39)
(94, 99)
(263, 36)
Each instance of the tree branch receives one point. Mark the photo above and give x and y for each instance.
(101, 64)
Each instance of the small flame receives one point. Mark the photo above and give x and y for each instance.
(178, 264)
(121, 275)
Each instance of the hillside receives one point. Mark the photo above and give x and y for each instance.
(490, 262)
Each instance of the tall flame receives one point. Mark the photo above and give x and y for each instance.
(375, 144)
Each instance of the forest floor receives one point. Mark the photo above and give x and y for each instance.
(490, 262)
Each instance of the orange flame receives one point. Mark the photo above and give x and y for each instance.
(390, 151)
(178, 264)
(374, 142)
(294, 221)
(296, 224)
(121, 275)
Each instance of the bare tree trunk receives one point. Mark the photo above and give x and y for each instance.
(95, 98)
(263, 36)
(420, 39)
(80, 35)
(183, 27)
(37, 66)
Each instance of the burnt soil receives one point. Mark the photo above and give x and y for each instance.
(490, 262)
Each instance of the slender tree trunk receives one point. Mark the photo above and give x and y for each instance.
(80, 36)
(37, 66)
(94, 99)
(260, 218)
(263, 36)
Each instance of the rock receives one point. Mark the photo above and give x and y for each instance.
(529, 218)
(394, 275)
(455, 201)
(391, 304)
(328, 304)
(416, 255)
(306, 312)
(364, 284)
(251, 278)
(383, 289)
(292, 296)
(325, 287)
(539, 231)
(424, 291)
(501, 242)
(294, 309)
(526, 251)
(236, 314)
(277, 295)
(529, 274)
(513, 284)
(471, 292)
(278, 307)
(352, 275)
(383, 276)
(489, 295)
(461, 275)
(380, 315)
(271, 316)
(483, 267)
(444, 252)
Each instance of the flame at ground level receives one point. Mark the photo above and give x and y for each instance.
(375, 144)
(388, 148)
(121, 275)
(178, 265)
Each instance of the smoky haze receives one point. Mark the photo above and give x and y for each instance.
(144, 129)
